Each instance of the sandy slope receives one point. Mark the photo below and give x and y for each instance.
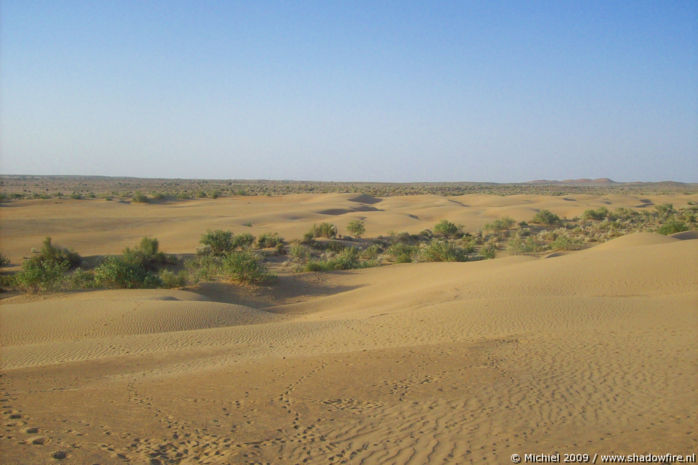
(590, 352)
(102, 227)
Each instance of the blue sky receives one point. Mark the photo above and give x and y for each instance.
(362, 91)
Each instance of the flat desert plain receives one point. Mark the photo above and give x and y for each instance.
(593, 351)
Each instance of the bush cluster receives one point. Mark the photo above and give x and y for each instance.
(245, 267)
(327, 230)
(221, 242)
(140, 267)
(357, 228)
(47, 268)
(225, 255)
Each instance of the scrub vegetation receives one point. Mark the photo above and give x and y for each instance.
(248, 260)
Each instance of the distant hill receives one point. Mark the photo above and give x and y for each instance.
(582, 181)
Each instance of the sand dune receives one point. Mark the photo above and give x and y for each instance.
(102, 227)
(590, 352)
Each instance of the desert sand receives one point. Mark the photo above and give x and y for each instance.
(593, 351)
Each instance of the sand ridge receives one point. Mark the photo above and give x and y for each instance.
(98, 227)
(417, 363)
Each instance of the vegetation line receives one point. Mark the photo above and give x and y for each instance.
(248, 260)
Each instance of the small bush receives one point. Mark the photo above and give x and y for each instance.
(327, 230)
(664, 210)
(299, 252)
(672, 226)
(80, 279)
(204, 268)
(347, 259)
(488, 251)
(356, 228)
(242, 241)
(51, 253)
(147, 255)
(446, 228)
(371, 252)
(136, 268)
(443, 251)
(118, 272)
(401, 252)
(4, 261)
(520, 245)
(564, 242)
(46, 269)
(546, 217)
(500, 224)
(41, 275)
(171, 279)
(245, 267)
(140, 197)
(599, 214)
(217, 242)
(269, 240)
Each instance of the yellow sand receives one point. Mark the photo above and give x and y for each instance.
(591, 352)
(94, 227)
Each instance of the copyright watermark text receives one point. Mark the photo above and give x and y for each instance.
(558, 457)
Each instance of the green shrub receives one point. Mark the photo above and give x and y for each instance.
(665, 210)
(425, 235)
(401, 252)
(80, 279)
(46, 269)
(147, 255)
(170, 279)
(41, 275)
(217, 242)
(443, 251)
(204, 268)
(625, 213)
(51, 253)
(520, 245)
(327, 230)
(371, 252)
(347, 259)
(672, 226)
(446, 228)
(500, 224)
(269, 240)
(4, 261)
(546, 217)
(299, 252)
(119, 272)
(242, 241)
(135, 268)
(140, 197)
(599, 214)
(564, 242)
(356, 228)
(308, 238)
(245, 267)
(488, 251)
(319, 265)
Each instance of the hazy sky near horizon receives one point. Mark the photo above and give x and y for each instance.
(351, 90)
